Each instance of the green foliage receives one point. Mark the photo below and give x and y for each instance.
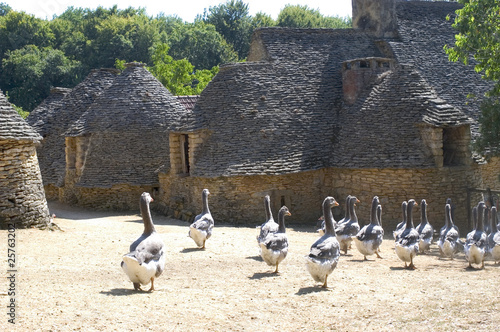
(18, 29)
(37, 54)
(4, 8)
(488, 143)
(29, 73)
(178, 76)
(297, 16)
(201, 45)
(21, 112)
(478, 39)
(233, 22)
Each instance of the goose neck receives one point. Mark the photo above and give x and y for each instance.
(146, 217)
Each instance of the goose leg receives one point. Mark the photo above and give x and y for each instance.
(137, 286)
(203, 244)
(325, 285)
(152, 285)
(276, 271)
(366, 258)
(378, 256)
(411, 263)
(482, 264)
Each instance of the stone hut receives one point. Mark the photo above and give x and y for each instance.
(116, 148)
(22, 198)
(373, 110)
(53, 117)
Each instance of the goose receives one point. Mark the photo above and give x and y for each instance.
(321, 230)
(407, 244)
(369, 238)
(146, 259)
(494, 237)
(325, 252)
(201, 229)
(476, 241)
(424, 229)
(269, 226)
(486, 220)
(448, 238)
(401, 226)
(452, 216)
(347, 230)
(274, 247)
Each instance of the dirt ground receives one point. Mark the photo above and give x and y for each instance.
(71, 280)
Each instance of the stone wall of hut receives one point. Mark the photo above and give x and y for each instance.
(120, 197)
(239, 199)
(22, 197)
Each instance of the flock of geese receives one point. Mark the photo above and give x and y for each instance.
(146, 258)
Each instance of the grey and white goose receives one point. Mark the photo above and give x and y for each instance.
(325, 252)
(346, 218)
(146, 259)
(448, 239)
(269, 226)
(201, 228)
(274, 247)
(370, 237)
(476, 240)
(494, 237)
(347, 230)
(407, 244)
(424, 229)
(402, 224)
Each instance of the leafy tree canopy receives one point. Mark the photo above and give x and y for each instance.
(297, 16)
(478, 42)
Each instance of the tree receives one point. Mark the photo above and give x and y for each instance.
(478, 41)
(201, 45)
(178, 76)
(234, 23)
(304, 17)
(29, 73)
(4, 8)
(18, 29)
(261, 20)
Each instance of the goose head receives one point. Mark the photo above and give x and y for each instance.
(281, 218)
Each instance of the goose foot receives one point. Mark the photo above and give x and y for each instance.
(412, 267)
(137, 286)
(365, 259)
(378, 256)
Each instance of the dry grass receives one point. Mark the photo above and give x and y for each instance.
(72, 280)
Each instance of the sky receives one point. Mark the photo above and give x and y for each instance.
(185, 9)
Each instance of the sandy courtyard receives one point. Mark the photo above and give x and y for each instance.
(71, 280)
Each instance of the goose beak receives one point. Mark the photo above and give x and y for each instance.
(357, 201)
(336, 204)
(288, 214)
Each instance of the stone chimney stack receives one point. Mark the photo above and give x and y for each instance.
(377, 16)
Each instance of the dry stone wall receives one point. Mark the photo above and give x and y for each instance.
(22, 198)
(239, 199)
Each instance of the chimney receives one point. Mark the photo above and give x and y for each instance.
(377, 16)
(357, 74)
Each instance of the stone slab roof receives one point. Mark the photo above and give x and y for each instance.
(13, 126)
(423, 31)
(129, 125)
(188, 101)
(54, 116)
(278, 116)
(383, 128)
(283, 111)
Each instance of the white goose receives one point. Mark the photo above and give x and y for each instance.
(201, 229)
(402, 224)
(494, 237)
(146, 259)
(476, 241)
(407, 245)
(325, 252)
(424, 229)
(347, 230)
(274, 247)
(269, 226)
(370, 237)
(448, 238)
